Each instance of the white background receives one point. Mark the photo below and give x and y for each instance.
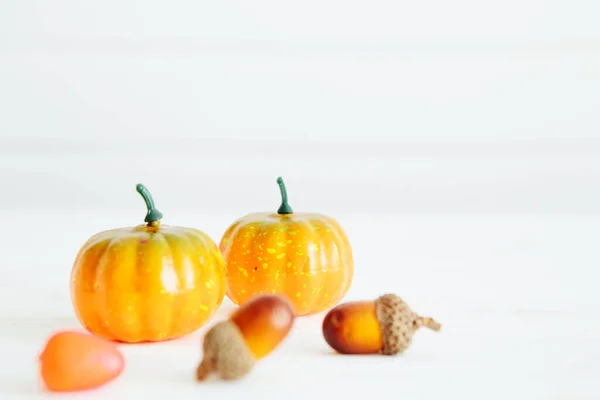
(458, 144)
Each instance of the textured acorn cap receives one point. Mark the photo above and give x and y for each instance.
(398, 323)
(225, 353)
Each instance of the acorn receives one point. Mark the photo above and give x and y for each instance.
(385, 326)
(232, 347)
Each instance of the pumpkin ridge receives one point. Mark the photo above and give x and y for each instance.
(230, 234)
(258, 248)
(312, 267)
(136, 286)
(102, 297)
(100, 237)
(341, 243)
(247, 242)
(283, 281)
(87, 286)
(217, 272)
(122, 281)
(95, 240)
(272, 242)
(211, 269)
(233, 230)
(216, 267)
(177, 256)
(160, 330)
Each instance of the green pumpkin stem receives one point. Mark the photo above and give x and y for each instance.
(285, 208)
(153, 216)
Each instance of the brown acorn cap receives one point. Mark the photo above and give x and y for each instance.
(398, 323)
(225, 353)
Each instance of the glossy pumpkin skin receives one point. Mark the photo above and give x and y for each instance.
(304, 256)
(147, 283)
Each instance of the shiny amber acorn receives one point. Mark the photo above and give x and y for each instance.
(232, 347)
(385, 326)
(304, 256)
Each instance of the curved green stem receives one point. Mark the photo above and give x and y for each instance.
(285, 208)
(153, 215)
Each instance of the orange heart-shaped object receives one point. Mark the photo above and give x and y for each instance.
(72, 361)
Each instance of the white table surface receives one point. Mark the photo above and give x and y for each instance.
(478, 121)
(516, 295)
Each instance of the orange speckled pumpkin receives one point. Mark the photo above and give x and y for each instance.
(147, 283)
(304, 256)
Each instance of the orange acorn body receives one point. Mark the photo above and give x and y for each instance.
(150, 282)
(232, 347)
(304, 256)
(353, 328)
(73, 361)
(385, 326)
